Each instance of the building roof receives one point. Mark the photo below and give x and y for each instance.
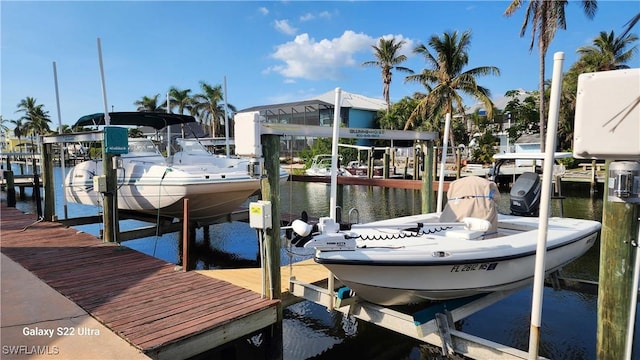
(352, 100)
(324, 101)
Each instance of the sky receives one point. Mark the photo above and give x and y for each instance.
(269, 51)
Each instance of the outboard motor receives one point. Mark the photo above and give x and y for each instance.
(525, 195)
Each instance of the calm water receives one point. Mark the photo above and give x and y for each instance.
(569, 319)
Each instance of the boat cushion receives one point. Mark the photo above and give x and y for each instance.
(472, 196)
(465, 234)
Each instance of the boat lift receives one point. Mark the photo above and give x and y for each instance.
(433, 323)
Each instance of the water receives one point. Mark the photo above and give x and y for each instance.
(309, 331)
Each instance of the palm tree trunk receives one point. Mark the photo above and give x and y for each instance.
(542, 100)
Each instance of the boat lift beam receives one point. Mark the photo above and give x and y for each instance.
(347, 133)
(422, 325)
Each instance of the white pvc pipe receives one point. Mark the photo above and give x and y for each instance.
(63, 145)
(634, 301)
(107, 117)
(545, 202)
(168, 129)
(445, 143)
(334, 157)
(226, 118)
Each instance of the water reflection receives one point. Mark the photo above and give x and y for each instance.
(569, 319)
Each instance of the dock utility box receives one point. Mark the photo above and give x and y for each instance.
(525, 195)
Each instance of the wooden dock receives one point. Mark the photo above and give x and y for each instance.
(164, 312)
(307, 271)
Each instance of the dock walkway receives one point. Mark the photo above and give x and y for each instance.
(161, 311)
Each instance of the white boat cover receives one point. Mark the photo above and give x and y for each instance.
(472, 196)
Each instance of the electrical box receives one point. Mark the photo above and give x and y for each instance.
(116, 140)
(247, 130)
(260, 215)
(607, 120)
(100, 183)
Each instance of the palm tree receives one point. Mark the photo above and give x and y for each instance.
(36, 118)
(207, 105)
(387, 59)
(179, 98)
(149, 104)
(446, 78)
(3, 127)
(19, 129)
(608, 52)
(634, 20)
(545, 17)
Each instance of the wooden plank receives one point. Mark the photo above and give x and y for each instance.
(143, 299)
(306, 271)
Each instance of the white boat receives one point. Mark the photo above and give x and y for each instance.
(467, 249)
(147, 183)
(192, 152)
(321, 166)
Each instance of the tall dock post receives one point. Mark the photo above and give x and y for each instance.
(618, 245)
(271, 191)
(11, 188)
(110, 210)
(49, 190)
(427, 179)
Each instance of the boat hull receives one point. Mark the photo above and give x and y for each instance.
(157, 189)
(444, 269)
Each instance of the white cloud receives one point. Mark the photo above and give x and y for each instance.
(307, 17)
(285, 27)
(325, 15)
(304, 57)
(263, 10)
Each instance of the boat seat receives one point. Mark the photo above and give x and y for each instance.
(472, 196)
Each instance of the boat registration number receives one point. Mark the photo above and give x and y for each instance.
(474, 267)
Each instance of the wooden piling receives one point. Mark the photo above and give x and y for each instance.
(386, 162)
(185, 235)
(110, 209)
(271, 192)
(617, 254)
(49, 189)
(11, 188)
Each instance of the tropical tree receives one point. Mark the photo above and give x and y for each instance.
(35, 118)
(209, 107)
(397, 115)
(522, 112)
(387, 59)
(149, 104)
(545, 17)
(180, 99)
(634, 20)
(3, 125)
(135, 132)
(446, 79)
(608, 52)
(19, 129)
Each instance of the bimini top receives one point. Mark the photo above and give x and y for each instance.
(154, 119)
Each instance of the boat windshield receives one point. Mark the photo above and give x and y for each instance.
(142, 147)
(191, 146)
